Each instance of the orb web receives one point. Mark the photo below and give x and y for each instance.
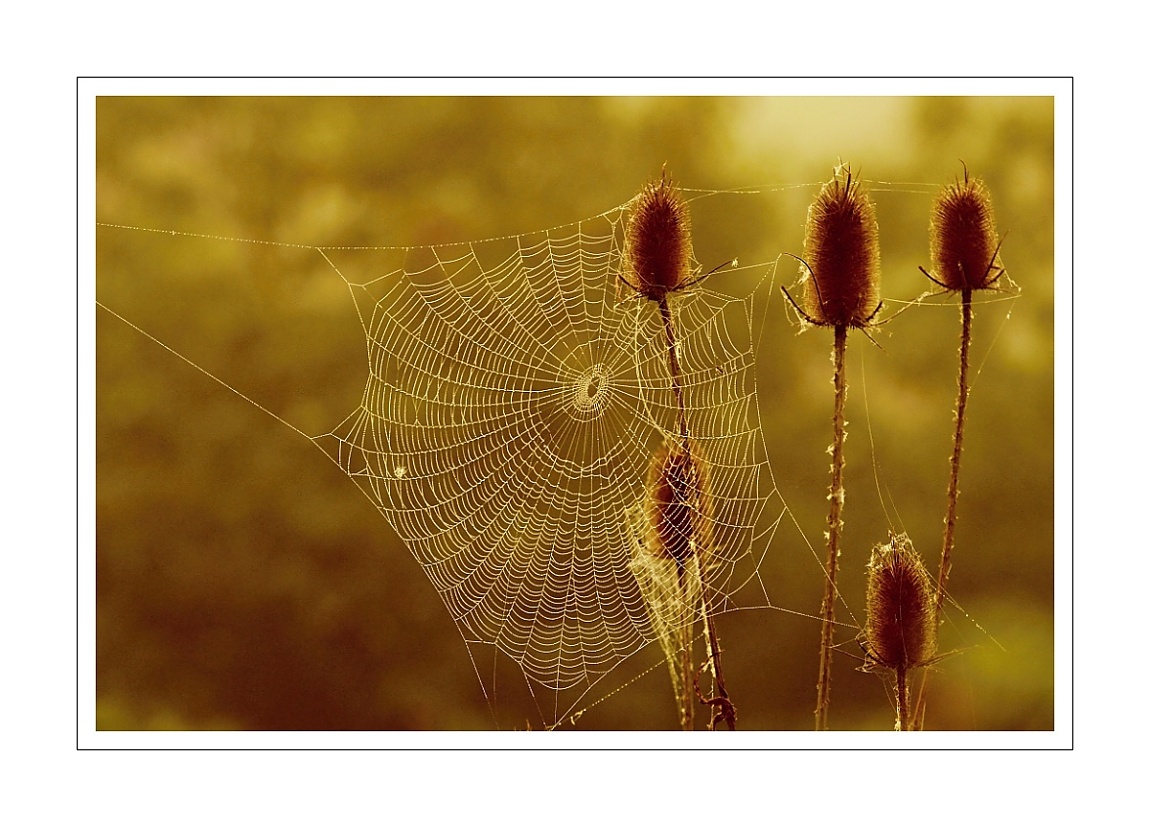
(516, 394)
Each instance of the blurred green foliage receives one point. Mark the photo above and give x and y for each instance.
(242, 582)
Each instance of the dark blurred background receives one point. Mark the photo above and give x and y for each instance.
(243, 581)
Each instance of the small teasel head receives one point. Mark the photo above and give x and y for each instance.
(841, 255)
(677, 504)
(900, 629)
(963, 242)
(657, 242)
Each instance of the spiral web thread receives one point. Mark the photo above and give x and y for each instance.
(515, 398)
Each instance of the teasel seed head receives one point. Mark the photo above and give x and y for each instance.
(900, 628)
(841, 254)
(963, 242)
(677, 504)
(657, 241)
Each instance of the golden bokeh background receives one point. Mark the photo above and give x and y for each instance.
(242, 580)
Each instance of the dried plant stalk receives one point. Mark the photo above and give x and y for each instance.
(658, 260)
(678, 533)
(841, 277)
(964, 251)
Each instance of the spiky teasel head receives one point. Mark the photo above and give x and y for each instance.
(677, 504)
(900, 629)
(657, 243)
(963, 242)
(841, 255)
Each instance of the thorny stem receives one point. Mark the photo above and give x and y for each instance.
(688, 705)
(686, 665)
(956, 456)
(903, 703)
(676, 374)
(721, 707)
(724, 710)
(834, 525)
(952, 486)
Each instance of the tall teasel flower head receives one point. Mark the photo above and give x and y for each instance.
(841, 255)
(677, 504)
(657, 242)
(900, 628)
(963, 242)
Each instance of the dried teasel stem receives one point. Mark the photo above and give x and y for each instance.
(676, 374)
(679, 517)
(964, 249)
(841, 271)
(658, 251)
(837, 499)
(658, 260)
(900, 632)
(956, 451)
(674, 491)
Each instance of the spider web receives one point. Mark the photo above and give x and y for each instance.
(516, 394)
(515, 398)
